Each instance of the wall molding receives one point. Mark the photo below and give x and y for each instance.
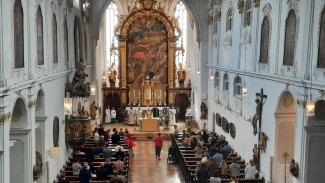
(271, 77)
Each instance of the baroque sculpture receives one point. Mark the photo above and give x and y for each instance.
(78, 86)
(181, 75)
(93, 110)
(262, 141)
(257, 115)
(294, 168)
(204, 111)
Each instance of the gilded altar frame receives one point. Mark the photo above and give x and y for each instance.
(145, 8)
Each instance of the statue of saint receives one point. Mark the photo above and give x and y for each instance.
(79, 108)
(189, 83)
(181, 75)
(255, 157)
(204, 110)
(262, 142)
(257, 115)
(112, 77)
(294, 168)
(93, 110)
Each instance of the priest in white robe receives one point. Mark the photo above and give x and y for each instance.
(131, 114)
(108, 115)
(172, 117)
(138, 114)
(113, 115)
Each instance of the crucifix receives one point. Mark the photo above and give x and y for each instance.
(258, 118)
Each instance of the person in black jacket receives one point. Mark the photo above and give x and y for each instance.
(101, 130)
(62, 179)
(205, 136)
(109, 166)
(115, 137)
(101, 172)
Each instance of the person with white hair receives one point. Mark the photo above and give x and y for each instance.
(215, 180)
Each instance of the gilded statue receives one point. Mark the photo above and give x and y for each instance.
(93, 110)
(262, 142)
(78, 86)
(257, 115)
(181, 75)
(112, 77)
(204, 110)
(189, 83)
(294, 168)
(255, 156)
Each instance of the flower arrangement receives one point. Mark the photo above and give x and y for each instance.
(166, 125)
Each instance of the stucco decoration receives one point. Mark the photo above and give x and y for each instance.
(267, 9)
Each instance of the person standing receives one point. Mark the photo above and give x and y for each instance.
(176, 131)
(108, 115)
(138, 114)
(158, 145)
(172, 118)
(234, 168)
(131, 113)
(113, 115)
(155, 112)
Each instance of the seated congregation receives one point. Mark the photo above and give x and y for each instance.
(209, 158)
(103, 158)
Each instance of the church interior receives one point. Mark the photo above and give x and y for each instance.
(218, 90)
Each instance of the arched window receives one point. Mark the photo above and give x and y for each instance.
(86, 44)
(225, 82)
(66, 41)
(216, 80)
(321, 47)
(237, 86)
(111, 41)
(181, 15)
(77, 51)
(248, 13)
(40, 37)
(265, 39)
(55, 39)
(230, 16)
(290, 39)
(19, 34)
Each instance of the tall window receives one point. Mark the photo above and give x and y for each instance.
(181, 15)
(66, 41)
(230, 16)
(290, 39)
(265, 39)
(111, 40)
(225, 82)
(77, 51)
(238, 86)
(40, 39)
(321, 48)
(248, 13)
(19, 34)
(86, 44)
(55, 39)
(216, 80)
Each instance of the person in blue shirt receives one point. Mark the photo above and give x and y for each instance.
(227, 147)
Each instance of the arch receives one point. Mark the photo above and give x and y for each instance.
(56, 131)
(238, 86)
(40, 36)
(225, 82)
(77, 42)
(229, 20)
(216, 80)
(285, 134)
(19, 115)
(55, 39)
(290, 39)
(248, 14)
(18, 34)
(40, 104)
(182, 101)
(102, 6)
(321, 44)
(265, 41)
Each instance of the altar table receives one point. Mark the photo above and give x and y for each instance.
(149, 125)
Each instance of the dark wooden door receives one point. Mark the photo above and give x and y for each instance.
(181, 101)
(113, 101)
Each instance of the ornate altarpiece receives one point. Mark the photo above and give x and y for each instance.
(147, 45)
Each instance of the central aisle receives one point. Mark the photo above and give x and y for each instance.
(144, 168)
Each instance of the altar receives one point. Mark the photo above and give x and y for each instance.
(149, 125)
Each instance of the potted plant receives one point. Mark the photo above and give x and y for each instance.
(166, 124)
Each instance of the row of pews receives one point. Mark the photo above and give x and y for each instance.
(84, 155)
(185, 158)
